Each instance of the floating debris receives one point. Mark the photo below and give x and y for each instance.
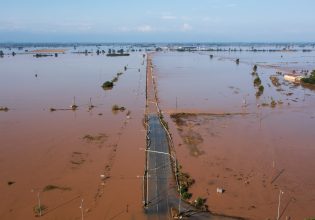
(220, 190)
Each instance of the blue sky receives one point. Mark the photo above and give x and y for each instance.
(157, 21)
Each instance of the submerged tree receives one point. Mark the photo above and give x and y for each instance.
(255, 68)
(310, 79)
(257, 81)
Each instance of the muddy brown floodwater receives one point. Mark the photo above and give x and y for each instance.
(229, 138)
(66, 155)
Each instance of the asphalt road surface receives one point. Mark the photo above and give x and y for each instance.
(161, 191)
(160, 183)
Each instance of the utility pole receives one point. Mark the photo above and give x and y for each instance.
(39, 206)
(81, 207)
(280, 193)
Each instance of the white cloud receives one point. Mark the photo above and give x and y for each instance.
(169, 17)
(144, 28)
(186, 27)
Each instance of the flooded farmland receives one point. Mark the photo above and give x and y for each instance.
(72, 133)
(60, 156)
(227, 137)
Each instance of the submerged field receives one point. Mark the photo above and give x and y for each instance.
(91, 153)
(227, 137)
(71, 129)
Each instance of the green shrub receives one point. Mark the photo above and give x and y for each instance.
(118, 108)
(53, 187)
(257, 81)
(310, 79)
(115, 79)
(186, 195)
(108, 85)
(200, 202)
(273, 103)
(255, 68)
(38, 210)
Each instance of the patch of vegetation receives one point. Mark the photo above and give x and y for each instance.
(200, 203)
(185, 182)
(78, 158)
(257, 81)
(115, 79)
(10, 183)
(193, 139)
(178, 119)
(310, 79)
(264, 104)
(39, 210)
(4, 109)
(273, 103)
(275, 81)
(96, 138)
(74, 107)
(53, 187)
(116, 108)
(108, 85)
(279, 73)
(128, 113)
(255, 68)
(38, 55)
(186, 195)
(260, 91)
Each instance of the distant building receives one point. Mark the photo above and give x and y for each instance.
(293, 78)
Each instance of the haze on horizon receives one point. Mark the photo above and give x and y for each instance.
(157, 21)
